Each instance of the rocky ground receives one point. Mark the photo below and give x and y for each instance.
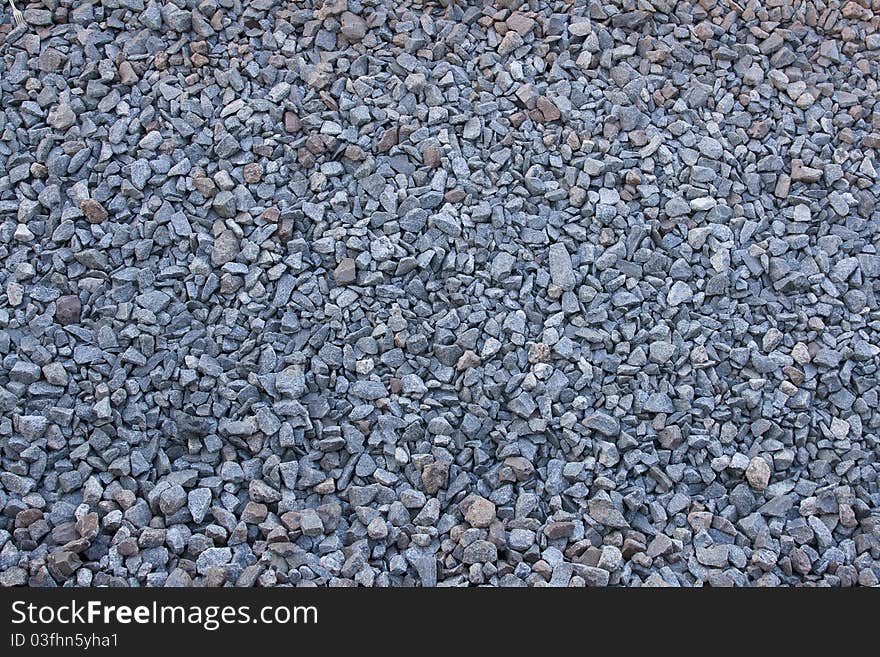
(439, 293)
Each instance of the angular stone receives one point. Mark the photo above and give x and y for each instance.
(561, 270)
(93, 211)
(345, 272)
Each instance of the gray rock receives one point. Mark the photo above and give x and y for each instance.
(561, 270)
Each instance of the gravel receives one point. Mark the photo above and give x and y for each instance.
(435, 294)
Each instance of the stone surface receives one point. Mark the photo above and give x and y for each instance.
(439, 294)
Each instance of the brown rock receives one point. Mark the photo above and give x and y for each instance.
(205, 186)
(548, 109)
(64, 533)
(354, 153)
(670, 437)
(254, 513)
(561, 529)
(215, 577)
(93, 210)
(538, 352)
(27, 517)
(511, 41)
(330, 8)
(345, 272)
(87, 525)
(520, 466)
(434, 476)
(520, 23)
(127, 76)
(306, 159)
(714, 556)
(292, 122)
(353, 27)
(431, 157)
(758, 473)
(802, 173)
(253, 173)
(377, 529)
(855, 10)
(468, 360)
(527, 95)
(325, 487)
(631, 547)
(783, 185)
(291, 520)
(794, 375)
(481, 513)
(800, 561)
(68, 310)
(315, 144)
(387, 140)
(285, 230)
(456, 195)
